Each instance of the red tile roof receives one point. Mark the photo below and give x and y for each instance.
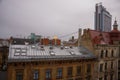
(98, 37)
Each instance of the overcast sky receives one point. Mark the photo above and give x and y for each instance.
(19, 18)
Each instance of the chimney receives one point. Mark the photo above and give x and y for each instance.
(72, 38)
(79, 36)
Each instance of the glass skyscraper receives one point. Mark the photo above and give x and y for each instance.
(102, 18)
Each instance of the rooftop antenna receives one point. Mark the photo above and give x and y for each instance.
(115, 18)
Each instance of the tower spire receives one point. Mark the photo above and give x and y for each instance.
(115, 25)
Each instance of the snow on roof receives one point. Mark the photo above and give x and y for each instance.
(40, 52)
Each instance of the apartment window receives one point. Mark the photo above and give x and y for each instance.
(105, 77)
(88, 68)
(78, 70)
(101, 67)
(111, 76)
(78, 78)
(105, 66)
(35, 75)
(119, 75)
(112, 53)
(101, 55)
(88, 78)
(59, 73)
(48, 74)
(19, 75)
(100, 78)
(70, 79)
(69, 71)
(106, 53)
(111, 65)
(119, 64)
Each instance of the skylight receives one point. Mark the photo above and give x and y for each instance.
(20, 51)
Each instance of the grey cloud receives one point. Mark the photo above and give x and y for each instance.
(49, 17)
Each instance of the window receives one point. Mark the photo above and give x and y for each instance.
(69, 71)
(118, 75)
(88, 78)
(111, 65)
(112, 53)
(105, 66)
(19, 75)
(101, 55)
(106, 53)
(35, 75)
(100, 78)
(101, 67)
(119, 64)
(111, 76)
(88, 68)
(59, 73)
(78, 79)
(78, 70)
(48, 74)
(105, 77)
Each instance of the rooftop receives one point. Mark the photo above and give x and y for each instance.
(18, 53)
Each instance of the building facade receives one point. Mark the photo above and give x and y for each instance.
(105, 45)
(4, 45)
(33, 62)
(102, 18)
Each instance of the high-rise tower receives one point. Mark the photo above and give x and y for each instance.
(102, 18)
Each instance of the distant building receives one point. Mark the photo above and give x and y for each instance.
(4, 49)
(35, 38)
(38, 62)
(102, 18)
(46, 41)
(21, 41)
(71, 42)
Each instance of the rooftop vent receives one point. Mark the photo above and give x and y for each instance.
(66, 47)
(33, 46)
(52, 53)
(42, 48)
(26, 43)
(51, 47)
(72, 52)
(71, 47)
(62, 47)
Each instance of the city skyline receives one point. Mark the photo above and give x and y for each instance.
(49, 18)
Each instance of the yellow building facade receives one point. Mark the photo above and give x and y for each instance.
(50, 63)
(52, 70)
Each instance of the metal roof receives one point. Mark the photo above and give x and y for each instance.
(39, 52)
